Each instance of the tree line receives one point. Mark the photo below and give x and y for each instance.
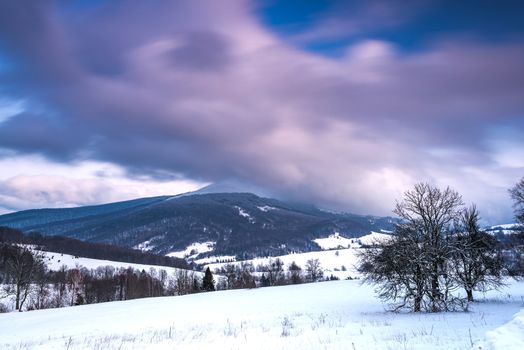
(75, 247)
(274, 273)
(438, 255)
(24, 276)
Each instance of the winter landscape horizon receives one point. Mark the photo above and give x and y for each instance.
(262, 174)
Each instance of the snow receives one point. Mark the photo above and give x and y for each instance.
(334, 241)
(505, 229)
(215, 259)
(245, 214)
(336, 261)
(145, 246)
(332, 261)
(193, 250)
(506, 226)
(266, 208)
(374, 238)
(507, 336)
(327, 315)
(56, 260)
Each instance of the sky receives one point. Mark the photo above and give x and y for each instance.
(344, 104)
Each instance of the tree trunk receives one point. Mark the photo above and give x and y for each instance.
(17, 302)
(416, 307)
(435, 293)
(470, 294)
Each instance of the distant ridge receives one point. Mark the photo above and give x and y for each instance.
(240, 224)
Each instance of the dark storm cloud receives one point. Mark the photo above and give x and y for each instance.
(204, 91)
(31, 133)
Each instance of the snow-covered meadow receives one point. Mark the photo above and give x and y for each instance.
(340, 263)
(338, 257)
(326, 315)
(55, 261)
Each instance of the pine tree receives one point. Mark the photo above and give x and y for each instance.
(295, 272)
(264, 281)
(208, 284)
(79, 299)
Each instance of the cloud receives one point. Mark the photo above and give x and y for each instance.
(205, 92)
(82, 183)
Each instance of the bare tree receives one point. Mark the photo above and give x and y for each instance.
(22, 266)
(244, 277)
(516, 261)
(275, 271)
(41, 296)
(60, 287)
(75, 278)
(414, 265)
(229, 270)
(314, 270)
(517, 194)
(477, 262)
(183, 282)
(398, 268)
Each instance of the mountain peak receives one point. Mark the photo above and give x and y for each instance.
(231, 186)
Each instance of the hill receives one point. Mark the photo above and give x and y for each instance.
(326, 315)
(77, 248)
(240, 224)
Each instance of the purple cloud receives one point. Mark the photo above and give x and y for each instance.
(206, 92)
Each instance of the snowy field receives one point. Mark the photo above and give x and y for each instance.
(193, 250)
(327, 315)
(333, 262)
(56, 260)
(341, 262)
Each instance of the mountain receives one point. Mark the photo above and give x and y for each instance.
(240, 224)
(504, 229)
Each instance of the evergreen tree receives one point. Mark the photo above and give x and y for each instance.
(208, 284)
(295, 272)
(264, 281)
(79, 299)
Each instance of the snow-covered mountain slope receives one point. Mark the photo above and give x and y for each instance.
(55, 261)
(505, 229)
(374, 238)
(193, 250)
(334, 241)
(240, 224)
(327, 315)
